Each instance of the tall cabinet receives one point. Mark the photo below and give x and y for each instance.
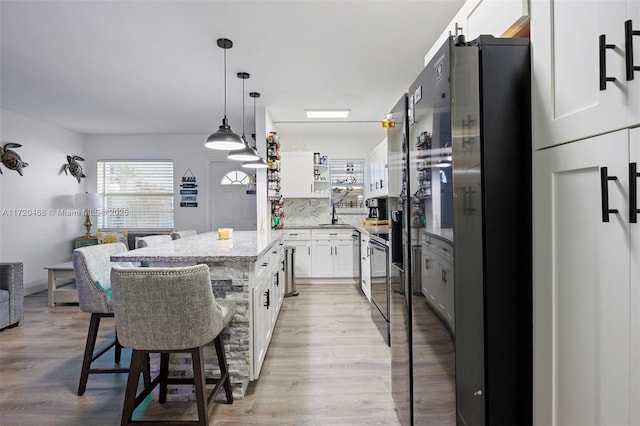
(586, 232)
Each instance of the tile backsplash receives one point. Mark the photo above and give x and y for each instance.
(316, 211)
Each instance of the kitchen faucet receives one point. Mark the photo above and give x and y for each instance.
(334, 219)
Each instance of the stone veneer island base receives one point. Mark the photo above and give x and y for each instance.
(246, 270)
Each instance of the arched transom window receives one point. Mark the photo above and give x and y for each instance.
(235, 177)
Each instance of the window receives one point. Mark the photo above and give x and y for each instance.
(235, 178)
(136, 194)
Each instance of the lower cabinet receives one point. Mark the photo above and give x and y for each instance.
(267, 296)
(437, 277)
(586, 296)
(301, 240)
(331, 254)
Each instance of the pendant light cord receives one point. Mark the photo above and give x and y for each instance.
(225, 83)
(255, 139)
(243, 109)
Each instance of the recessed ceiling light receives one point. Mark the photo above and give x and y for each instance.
(327, 113)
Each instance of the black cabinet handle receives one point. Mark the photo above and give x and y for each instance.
(633, 192)
(444, 276)
(603, 62)
(604, 186)
(267, 301)
(628, 48)
(426, 264)
(277, 279)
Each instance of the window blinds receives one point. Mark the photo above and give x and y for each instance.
(135, 194)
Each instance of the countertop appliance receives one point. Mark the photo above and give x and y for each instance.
(465, 162)
(377, 208)
(379, 253)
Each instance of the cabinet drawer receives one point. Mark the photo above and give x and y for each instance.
(331, 234)
(269, 261)
(296, 235)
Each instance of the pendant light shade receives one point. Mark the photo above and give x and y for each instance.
(247, 153)
(260, 163)
(224, 138)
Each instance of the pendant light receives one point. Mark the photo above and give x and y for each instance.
(224, 138)
(247, 153)
(260, 163)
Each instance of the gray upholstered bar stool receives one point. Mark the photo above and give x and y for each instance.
(92, 267)
(169, 310)
(176, 235)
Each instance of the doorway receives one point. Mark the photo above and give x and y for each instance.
(231, 206)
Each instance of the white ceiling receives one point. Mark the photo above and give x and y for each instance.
(153, 67)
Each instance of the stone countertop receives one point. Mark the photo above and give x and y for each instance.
(374, 229)
(202, 248)
(323, 226)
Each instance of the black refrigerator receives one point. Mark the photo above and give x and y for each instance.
(464, 157)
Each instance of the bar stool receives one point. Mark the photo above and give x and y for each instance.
(170, 310)
(92, 267)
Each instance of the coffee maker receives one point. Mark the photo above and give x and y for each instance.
(377, 208)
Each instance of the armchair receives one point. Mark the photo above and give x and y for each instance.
(11, 294)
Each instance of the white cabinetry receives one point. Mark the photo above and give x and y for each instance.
(586, 293)
(331, 254)
(567, 98)
(377, 180)
(296, 174)
(437, 277)
(365, 260)
(477, 17)
(267, 296)
(634, 256)
(301, 240)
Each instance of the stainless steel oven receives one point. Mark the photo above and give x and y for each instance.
(380, 285)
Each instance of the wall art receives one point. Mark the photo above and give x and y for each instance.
(11, 159)
(73, 167)
(188, 191)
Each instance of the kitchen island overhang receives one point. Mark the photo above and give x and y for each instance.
(237, 269)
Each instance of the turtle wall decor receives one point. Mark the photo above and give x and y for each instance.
(11, 159)
(73, 167)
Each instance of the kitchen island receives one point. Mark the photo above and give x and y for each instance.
(247, 270)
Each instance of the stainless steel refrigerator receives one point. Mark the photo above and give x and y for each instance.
(465, 161)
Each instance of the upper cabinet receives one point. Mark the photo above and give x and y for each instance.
(301, 177)
(378, 171)
(580, 54)
(500, 18)
(297, 174)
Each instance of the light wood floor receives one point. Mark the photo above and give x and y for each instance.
(327, 365)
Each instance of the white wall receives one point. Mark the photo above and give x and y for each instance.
(43, 237)
(337, 146)
(186, 152)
